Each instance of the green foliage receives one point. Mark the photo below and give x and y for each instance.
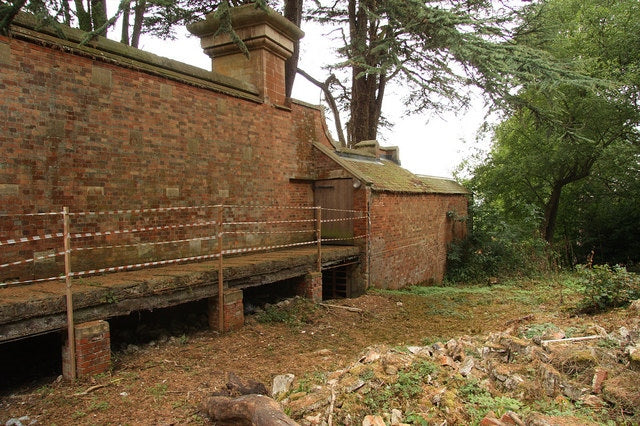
(478, 401)
(607, 287)
(408, 385)
(276, 314)
(497, 248)
(537, 330)
(293, 314)
(564, 146)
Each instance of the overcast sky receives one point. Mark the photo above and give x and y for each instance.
(429, 145)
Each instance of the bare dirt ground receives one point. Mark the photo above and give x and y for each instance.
(165, 381)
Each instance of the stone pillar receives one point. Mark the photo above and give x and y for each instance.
(93, 350)
(233, 311)
(269, 38)
(311, 286)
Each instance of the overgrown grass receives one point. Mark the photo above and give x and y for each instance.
(293, 314)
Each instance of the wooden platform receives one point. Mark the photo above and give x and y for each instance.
(39, 308)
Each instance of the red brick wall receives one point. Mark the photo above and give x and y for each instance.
(409, 237)
(91, 135)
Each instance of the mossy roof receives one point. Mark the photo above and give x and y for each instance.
(387, 176)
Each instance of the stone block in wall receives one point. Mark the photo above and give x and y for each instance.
(166, 92)
(101, 76)
(93, 350)
(5, 54)
(9, 189)
(55, 128)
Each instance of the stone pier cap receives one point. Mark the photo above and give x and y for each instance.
(251, 24)
(268, 37)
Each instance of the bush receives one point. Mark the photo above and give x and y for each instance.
(477, 259)
(497, 248)
(607, 287)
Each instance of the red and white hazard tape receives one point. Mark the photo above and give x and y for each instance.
(324, 209)
(30, 214)
(342, 219)
(29, 239)
(21, 262)
(152, 228)
(40, 280)
(306, 231)
(143, 265)
(269, 222)
(249, 249)
(149, 210)
(327, 240)
(249, 206)
(156, 243)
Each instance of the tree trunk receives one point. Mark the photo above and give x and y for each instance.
(99, 15)
(293, 12)
(84, 17)
(140, 9)
(66, 12)
(551, 212)
(124, 35)
(367, 89)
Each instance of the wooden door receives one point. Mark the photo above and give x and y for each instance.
(335, 194)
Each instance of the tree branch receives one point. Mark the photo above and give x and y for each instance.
(330, 100)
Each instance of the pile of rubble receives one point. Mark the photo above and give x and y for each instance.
(530, 374)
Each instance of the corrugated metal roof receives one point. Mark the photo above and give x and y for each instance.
(385, 175)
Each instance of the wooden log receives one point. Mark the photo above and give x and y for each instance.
(246, 410)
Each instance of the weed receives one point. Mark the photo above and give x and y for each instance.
(98, 405)
(183, 340)
(110, 297)
(276, 314)
(44, 390)
(608, 343)
(78, 414)
(367, 374)
(308, 380)
(416, 419)
(539, 329)
(607, 287)
(479, 401)
(159, 390)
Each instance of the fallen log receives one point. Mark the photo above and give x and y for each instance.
(246, 410)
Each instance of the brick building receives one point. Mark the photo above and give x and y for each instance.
(106, 127)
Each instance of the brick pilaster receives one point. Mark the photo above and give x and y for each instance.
(93, 350)
(233, 311)
(311, 286)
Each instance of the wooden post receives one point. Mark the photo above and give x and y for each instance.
(67, 273)
(220, 274)
(319, 235)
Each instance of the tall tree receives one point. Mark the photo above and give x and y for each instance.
(434, 49)
(559, 131)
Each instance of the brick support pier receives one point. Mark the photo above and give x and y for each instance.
(233, 311)
(310, 286)
(93, 350)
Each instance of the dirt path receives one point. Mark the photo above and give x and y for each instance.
(165, 382)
